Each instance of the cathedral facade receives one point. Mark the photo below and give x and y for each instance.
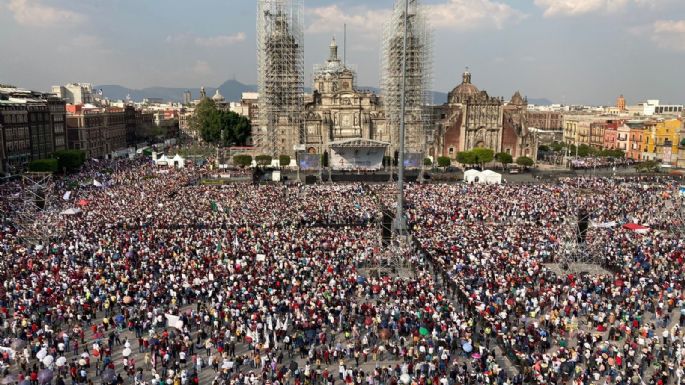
(473, 119)
(337, 110)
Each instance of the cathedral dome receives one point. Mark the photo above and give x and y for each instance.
(464, 90)
(218, 97)
(517, 99)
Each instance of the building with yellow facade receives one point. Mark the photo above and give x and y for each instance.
(660, 140)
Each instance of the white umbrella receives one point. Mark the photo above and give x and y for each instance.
(61, 361)
(41, 354)
(126, 352)
(48, 360)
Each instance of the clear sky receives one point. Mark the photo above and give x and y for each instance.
(570, 51)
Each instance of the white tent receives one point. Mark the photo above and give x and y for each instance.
(490, 177)
(162, 161)
(472, 176)
(487, 176)
(178, 161)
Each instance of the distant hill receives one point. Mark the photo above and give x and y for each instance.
(232, 90)
(540, 101)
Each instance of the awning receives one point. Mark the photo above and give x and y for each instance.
(636, 228)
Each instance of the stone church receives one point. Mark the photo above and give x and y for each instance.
(471, 119)
(337, 110)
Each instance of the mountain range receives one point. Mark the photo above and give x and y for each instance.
(232, 90)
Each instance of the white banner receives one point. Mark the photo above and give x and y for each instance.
(174, 321)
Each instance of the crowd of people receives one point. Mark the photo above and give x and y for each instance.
(600, 162)
(160, 279)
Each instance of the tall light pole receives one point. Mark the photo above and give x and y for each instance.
(400, 221)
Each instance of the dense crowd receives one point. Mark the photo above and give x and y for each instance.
(599, 162)
(163, 280)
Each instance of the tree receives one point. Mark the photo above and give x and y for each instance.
(543, 148)
(504, 158)
(387, 160)
(324, 159)
(613, 153)
(647, 166)
(263, 160)
(483, 155)
(467, 157)
(557, 147)
(218, 126)
(524, 161)
(682, 142)
(70, 160)
(284, 160)
(584, 150)
(427, 162)
(44, 165)
(444, 161)
(242, 160)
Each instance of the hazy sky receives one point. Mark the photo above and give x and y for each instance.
(571, 51)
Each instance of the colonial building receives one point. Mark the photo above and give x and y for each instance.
(337, 110)
(471, 119)
(96, 131)
(31, 127)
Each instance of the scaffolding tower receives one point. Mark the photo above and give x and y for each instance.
(419, 61)
(32, 200)
(280, 69)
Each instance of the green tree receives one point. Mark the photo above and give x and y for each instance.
(543, 148)
(483, 155)
(242, 160)
(44, 165)
(584, 150)
(218, 126)
(263, 160)
(614, 153)
(557, 147)
(647, 166)
(284, 160)
(444, 161)
(467, 157)
(524, 161)
(427, 162)
(504, 158)
(682, 142)
(70, 160)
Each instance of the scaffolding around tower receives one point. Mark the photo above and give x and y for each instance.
(280, 72)
(419, 63)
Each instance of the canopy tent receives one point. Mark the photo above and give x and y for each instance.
(472, 176)
(636, 228)
(177, 161)
(487, 177)
(490, 177)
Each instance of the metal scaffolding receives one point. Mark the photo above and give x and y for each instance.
(419, 62)
(280, 69)
(32, 200)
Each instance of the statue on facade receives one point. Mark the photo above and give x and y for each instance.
(203, 93)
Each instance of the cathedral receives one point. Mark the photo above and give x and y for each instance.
(473, 119)
(337, 110)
